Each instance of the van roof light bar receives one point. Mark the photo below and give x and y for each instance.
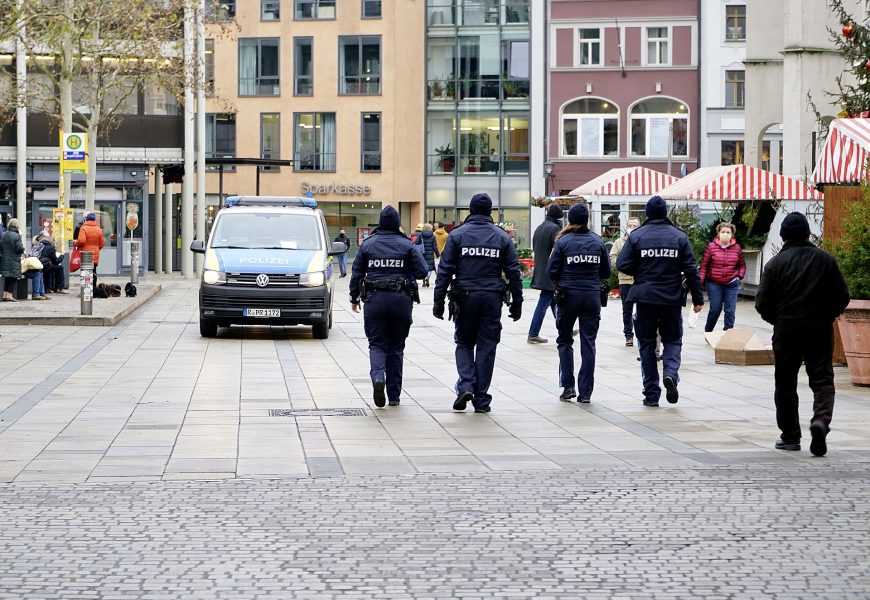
(270, 201)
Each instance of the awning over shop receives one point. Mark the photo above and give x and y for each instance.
(844, 157)
(738, 182)
(625, 181)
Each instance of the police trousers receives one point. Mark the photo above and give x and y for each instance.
(387, 321)
(584, 307)
(478, 332)
(665, 320)
(813, 345)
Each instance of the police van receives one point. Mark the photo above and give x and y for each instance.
(268, 261)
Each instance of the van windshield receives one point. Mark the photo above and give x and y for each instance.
(268, 230)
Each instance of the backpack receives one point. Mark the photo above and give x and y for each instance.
(35, 250)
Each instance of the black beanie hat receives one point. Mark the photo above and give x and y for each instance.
(481, 204)
(795, 228)
(389, 219)
(554, 211)
(578, 215)
(657, 208)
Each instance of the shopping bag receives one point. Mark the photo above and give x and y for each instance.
(75, 260)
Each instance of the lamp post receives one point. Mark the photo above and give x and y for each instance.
(548, 169)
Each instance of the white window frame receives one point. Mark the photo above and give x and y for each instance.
(728, 22)
(669, 41)
(646, 117)
(579, 42)
(579, 117)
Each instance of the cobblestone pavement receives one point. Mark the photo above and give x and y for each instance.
(789, 531)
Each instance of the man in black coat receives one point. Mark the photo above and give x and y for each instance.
(342, 258)
(802, 292)
(542, 246)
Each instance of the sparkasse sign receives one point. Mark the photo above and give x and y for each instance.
(336, 189)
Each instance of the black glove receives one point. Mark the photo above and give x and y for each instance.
(438, 311)
(516, 311)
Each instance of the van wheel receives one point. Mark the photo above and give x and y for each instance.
(207, 327)
(320, 331)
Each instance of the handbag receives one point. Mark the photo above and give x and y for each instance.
(75, 260)
(31, 263)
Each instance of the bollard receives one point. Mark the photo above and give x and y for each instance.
(134, 262)
(87, 283)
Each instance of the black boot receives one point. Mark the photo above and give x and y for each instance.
(567, 394)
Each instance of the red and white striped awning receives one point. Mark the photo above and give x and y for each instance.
(625, 181)
(844, 157)
(738, 182)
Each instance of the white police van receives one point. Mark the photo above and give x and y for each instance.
(268, 261)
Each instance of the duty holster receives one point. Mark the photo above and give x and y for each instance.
(605, 294)
(684, 290)
(558, 295)
(456, 297)
(367, 288)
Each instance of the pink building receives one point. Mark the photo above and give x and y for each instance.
(624, 87)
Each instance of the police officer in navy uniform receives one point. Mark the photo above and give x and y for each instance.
(474, 258)
(384, 276)
(577, 265)
(659, 255)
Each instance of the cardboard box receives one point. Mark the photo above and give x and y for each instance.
(740, 347)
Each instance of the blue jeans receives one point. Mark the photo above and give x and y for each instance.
(545, 301)
(627, 310)
(38, 287)
(342, 263)
(720, 295)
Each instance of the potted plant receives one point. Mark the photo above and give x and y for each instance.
(510, 88)
(469, 142)
(853, 255)
(436, 90)
(446, 158)
(450, 88)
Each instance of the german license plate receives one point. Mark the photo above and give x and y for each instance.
(262, 312)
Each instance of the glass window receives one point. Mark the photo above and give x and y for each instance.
(122, 98)
(765, 155)
(270, 138)
(478, 138)
(314, 137)
(732, 152)
(273, 230)
(209, 66)
(590, 46)
(735, 89)
(259, 67)
(220, 138)
(159, 102)
(514, 137)
(360, 65)
(42, 95)
(653, 122)
(370, 142)
(314, 9)
(516, 11)
(303, 66)
(270, 10)
(371, 9)
(480, 12)
(735, 23)
(220, 9)
(657, 51)
(590, 128)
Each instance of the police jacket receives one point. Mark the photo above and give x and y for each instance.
(658, 254)
(384, 256)
(579, 261)
(476, 254)
(801, 285)
(542, 245)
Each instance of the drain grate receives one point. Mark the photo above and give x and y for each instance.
(317, 412)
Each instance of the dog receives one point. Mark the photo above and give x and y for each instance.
(130, 290)
(107, 290)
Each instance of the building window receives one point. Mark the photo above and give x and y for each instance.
(513, 158)
(220, 138)
(657, 46)
(653, 121)
(516, 11)
(220, 9)
(590, 128)
(314, 9)
(735, 23)
(303, 66)
(732, 152)
(371, 9)
(259, 67)
(159, 102)
(314, 137)
(590, 46)
(270, 10)
(360, 65)
(209, 66)
(735, 87)
(370, 142)
(270, 138)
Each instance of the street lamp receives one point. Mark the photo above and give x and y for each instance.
(548, 169)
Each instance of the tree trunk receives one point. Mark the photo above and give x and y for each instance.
(66, 96)
(91, 181)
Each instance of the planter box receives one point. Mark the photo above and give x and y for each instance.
(854, 327)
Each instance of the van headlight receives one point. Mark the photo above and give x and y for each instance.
(213, 277)
(315, 279)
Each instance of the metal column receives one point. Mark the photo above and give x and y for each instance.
(168, 231)
(186, 257)
(158, 221)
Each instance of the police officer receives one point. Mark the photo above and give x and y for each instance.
(659, 255)
(384, 276)
(577, 265)
(474, 258)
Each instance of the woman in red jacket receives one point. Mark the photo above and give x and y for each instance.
(722, 268)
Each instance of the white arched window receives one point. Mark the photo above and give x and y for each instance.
(656, 120)
(590, 128)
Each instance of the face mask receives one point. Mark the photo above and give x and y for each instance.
(725, 236)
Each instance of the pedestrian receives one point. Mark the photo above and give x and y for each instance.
(577, 265)
(10, 261)
(427, 245)
(342, 258)
(417, 232)
(441, 237)
(476, 255)
(384, 275)
(90, 239)
(52, 269)
(543, 241)
(34, 274)
(722, 269)
(625, 282)
(659, 257)
(801, 293)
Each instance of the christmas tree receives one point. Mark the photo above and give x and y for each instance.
(853, 42)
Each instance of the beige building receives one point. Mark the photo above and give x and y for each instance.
(336, 87)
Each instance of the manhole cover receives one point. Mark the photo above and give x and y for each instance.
(317, 412)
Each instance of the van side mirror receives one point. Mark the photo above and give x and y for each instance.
(337, 248)
(197, 246)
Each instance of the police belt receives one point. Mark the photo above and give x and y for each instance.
(395, 284)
